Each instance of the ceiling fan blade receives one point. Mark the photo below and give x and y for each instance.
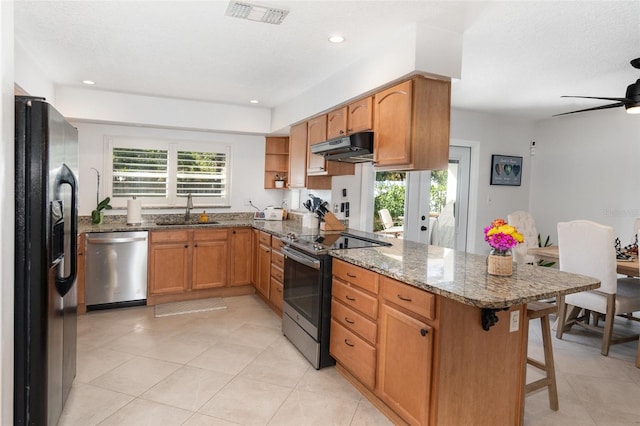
(619, 104)
(604, 99)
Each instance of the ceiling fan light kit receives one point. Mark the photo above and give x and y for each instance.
(631, 102)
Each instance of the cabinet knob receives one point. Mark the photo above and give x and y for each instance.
(424, 331)
(342, 132)
(195, 245)
(186, 246)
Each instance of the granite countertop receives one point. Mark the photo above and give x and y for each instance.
(456, 275)
(463, 276)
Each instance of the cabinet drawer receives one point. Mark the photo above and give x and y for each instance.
(354, 354)
(277, 244)
(356, 299)
(277, 273)
(363, 278)
(275, 293)
(353, 321)
(277, 258)
(169, 236)
(411, 298)
(265, 238)
(209, 234)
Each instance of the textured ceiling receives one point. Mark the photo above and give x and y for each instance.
(518, 57)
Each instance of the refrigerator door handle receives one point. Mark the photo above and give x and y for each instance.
(64, 284)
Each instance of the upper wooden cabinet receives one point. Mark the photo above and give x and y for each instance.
(298, 156)
(411, 125)
(316, 164)
(353, 118)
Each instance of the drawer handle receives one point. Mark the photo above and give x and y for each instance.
(279, 290)
(406, 299)
(353, 299)
(348, 343)
(424, 331)
(350, 321)
(350, 275)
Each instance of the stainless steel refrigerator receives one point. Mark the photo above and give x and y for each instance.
(46, 149)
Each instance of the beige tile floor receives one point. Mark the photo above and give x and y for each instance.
(233, 366)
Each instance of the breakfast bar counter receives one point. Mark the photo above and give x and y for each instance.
(463, 276)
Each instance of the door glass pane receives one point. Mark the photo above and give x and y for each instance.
(388, 204)
(442, 212)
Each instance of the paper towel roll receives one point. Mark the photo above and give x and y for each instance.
(134, 212)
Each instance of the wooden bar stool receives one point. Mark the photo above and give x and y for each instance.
(543, 310)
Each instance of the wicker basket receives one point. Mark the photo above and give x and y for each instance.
(500, 265)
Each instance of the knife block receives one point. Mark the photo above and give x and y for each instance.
(331, 223)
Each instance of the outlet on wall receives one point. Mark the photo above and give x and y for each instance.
(514, 321)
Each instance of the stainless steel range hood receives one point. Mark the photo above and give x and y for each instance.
(355, 148)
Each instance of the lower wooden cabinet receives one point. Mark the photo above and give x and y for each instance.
(192, 263)
(240, 254)
(264, 270)
(405, 354)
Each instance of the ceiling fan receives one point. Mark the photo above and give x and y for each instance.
(631, 102)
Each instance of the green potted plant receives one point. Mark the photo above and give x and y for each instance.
(279, 180)
(97, 215)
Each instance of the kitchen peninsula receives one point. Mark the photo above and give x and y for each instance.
(427, 357)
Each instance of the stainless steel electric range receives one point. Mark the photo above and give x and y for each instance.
(307, 290)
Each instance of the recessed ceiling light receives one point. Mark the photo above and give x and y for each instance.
(336, 38)
(88, 82)
(254, 101)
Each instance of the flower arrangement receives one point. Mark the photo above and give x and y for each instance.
(501, 236)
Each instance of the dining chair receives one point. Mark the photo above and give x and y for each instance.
(526, 225)
(587, 248)
(387, 223)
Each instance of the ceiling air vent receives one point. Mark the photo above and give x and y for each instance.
(254, 12)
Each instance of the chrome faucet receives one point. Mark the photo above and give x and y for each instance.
(187, 214)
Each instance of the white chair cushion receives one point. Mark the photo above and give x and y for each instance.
(627, 298)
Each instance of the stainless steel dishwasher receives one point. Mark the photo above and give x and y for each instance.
(116, 269)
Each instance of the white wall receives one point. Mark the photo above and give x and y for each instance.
(6, 212)
(489, 135)
(586, 167)
(30, 77)
(248, 153)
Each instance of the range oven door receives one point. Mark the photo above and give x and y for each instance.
(303, 289)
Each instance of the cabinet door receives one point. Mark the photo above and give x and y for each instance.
(209, 264)
(210, 258)
(337, 123)
(316, 133)
(298, 156)
(168, 268)
(392, 124)
(240, 257)
(360, 115)
(404, 364)
(264, 270)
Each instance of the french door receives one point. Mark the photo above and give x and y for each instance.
(437, 203)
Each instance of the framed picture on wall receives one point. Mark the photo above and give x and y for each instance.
(506, 170)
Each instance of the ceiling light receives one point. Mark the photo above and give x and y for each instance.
(88, 82)
(254, 101)
(633, 109)
(336, 38)
(254, 12)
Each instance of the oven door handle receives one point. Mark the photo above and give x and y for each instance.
(301, 258)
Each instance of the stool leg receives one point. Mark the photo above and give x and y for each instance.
(549, 363)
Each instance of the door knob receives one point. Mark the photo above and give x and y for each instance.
(423, 217)
(423, 228)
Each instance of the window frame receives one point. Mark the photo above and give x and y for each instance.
(172, 146)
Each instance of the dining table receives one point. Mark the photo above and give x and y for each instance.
(630, 268)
